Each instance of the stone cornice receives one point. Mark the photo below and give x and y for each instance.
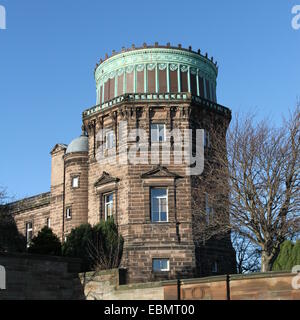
(172, 99)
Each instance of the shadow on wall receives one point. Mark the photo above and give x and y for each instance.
(216, 257)
(10, 238)
(37, 277)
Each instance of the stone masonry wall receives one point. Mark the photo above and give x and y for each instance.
(144, 240)
(76, 198)
(57, 190)
(34, 277)
(35, 209)
(258, 286)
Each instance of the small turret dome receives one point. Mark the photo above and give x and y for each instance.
(80, 144)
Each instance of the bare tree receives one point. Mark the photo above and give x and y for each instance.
(251, 185)
(3, 196)
(247, 254)
(105, 256)
(105, 249)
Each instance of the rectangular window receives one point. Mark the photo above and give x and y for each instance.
(194, 84)
(173, 81)
(111, 88)
(48, 222)
(140, 82)
(215, 267)
(161, 265)
(29, 232)
(184, 81)
(201, 87)
(120, 84)
(212, 92)
(162, 76)
(75, 182)
(159, 205)
(158, 132)
(106, 91)
(151, 81)
(108, 205)
(129, 82)
(208, 94)
(100, 99)
(69, 213)
(110, 140)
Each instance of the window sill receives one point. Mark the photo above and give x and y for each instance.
(160, 223)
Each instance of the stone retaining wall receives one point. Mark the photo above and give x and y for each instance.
(34, 277)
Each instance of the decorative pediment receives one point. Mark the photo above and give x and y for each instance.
(58, 147)
(106, 178)
(159, 172)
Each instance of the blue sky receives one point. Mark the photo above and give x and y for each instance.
(49, 50)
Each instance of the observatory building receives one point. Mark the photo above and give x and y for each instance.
(154, 90)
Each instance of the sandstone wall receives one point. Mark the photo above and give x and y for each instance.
(33, 277)
(257, 286)
(35, 209)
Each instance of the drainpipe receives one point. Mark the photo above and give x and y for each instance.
(175, 209)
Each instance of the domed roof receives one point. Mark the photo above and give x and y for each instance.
(80, 144)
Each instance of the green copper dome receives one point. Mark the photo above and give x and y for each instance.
(156, 70)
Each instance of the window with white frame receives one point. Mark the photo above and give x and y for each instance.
(208, 209)
(108, 205)
(69, 213)
(110, 140)
(159, 205)
(29, 232)
(48, 222)
(161, 265)
(75, 182)
(158, 132)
